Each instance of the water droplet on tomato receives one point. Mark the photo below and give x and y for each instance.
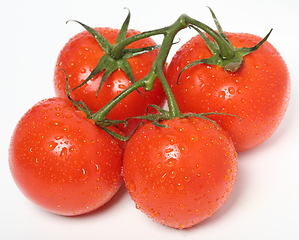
(198, 166)
(172, 174)
(231, 90)
(221, 95)
(63, 153)
(55, 123)
(180, 186)
(197, 211)
(240, 91)
(51, 145)
(162, 179)
(66, 128)
(98, 169)
(145, 191)
(194, 138)
(67, 115)
(181, 129)
(156, 214)
(187, 178)
(182, 205)
(171, 162)
(227, 154)
(73, 149)
(227, 177)
(122, 86)
(84, 175)
(131, 187)
(183, 148)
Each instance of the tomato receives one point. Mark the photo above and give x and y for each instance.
(62, 161)
(258, 92)
(182, 174)
(80, 56)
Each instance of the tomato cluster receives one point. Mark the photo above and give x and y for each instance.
(226, 93)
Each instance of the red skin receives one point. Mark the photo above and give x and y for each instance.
(258, 92)
(62, 161)
(180, 175)
(79, 57)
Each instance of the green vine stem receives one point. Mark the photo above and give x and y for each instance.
(226, 52)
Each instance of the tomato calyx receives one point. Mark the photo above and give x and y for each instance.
(224, 53)
(115, 57)
(101, 121)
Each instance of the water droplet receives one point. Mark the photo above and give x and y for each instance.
(181, 226)
(240, 91)
(227, 154)
(227, 177)
(131, 187)
(194, 138)
(51, 145)
(180, 186)
(187, 178)
(156, 214)
(73, 149)
(63, 153)
(66, 128)
(172, 139)
(162, 179)
(171, 162)
(84, 175)
(221, 95)
(231, 90)
(172, 174)
(169, 150)
(55, 123)
(183, 148)
(122, 86)
(67, 115)
(181, 129)
(182, 205)
(145, 191)
(98, 169)
(197, 211)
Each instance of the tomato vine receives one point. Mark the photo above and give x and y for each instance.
(224, 54)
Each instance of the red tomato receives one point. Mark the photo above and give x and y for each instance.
(62, 161)
(182, 174)
(81, 55)
(258, 92)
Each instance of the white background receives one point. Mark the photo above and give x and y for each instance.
(265, 200)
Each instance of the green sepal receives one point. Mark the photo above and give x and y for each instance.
(118, 60)
(116, 135)
(105, 45)
(224, 53)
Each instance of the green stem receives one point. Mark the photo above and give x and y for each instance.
(103, 112)
(226, 51)
(117, 50)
